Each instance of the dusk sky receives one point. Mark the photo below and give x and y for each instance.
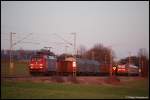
(124, 25)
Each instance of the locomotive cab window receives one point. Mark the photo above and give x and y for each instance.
(36, 58)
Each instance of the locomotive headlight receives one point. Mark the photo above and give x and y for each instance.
(74, 64)
(114, 68)
(31, 64)
(41, 67)
(41, 64)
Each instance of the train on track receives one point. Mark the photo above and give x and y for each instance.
(50, 65)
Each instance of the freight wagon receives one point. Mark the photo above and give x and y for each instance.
(65, 67)
(104, 69)
(80, 66)
(87, 67)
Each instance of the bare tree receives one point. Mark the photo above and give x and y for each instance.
(81, 50)
(143, 62)
(100, 53)
(143, 53)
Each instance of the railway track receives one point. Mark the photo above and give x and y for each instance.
(57, 79)
(47, 77)
(66, 79)
(25, 77)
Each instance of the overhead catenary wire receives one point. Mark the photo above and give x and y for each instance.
(22, 39)
(32, 42)
(63, 39)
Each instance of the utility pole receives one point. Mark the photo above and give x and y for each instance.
(110, 62)
(140, 66)
(129, 58)
(129, 62)
(11, 57)
(66, 51)
(142, 72)
(74, 68)
(74, 43)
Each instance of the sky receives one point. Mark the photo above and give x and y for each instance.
(121, 25)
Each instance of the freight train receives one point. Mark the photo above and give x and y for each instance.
(50, 65)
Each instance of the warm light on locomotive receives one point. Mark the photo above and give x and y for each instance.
(41, 67)
(41, 64)
(139, 70)
(114, 68)
(74, 64)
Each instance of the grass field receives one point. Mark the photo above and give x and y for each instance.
(27, 90)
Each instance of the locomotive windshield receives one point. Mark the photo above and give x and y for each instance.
(36, 58)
